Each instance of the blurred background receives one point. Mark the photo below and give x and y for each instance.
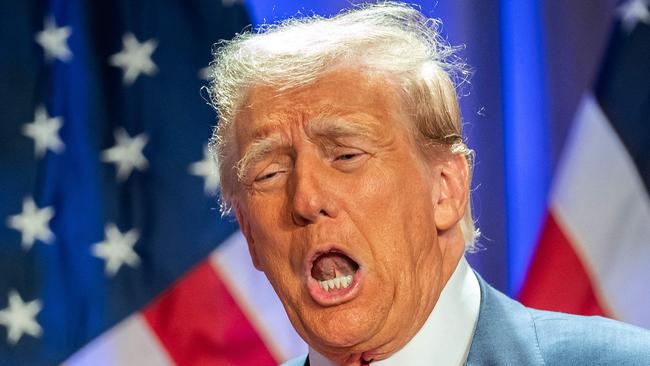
(114, 251)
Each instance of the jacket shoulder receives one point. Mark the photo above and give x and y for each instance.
(566, 339)
(508, 333)
(298, 361)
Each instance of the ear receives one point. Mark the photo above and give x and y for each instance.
(454, 192)
(245, 227)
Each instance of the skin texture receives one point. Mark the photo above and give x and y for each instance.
(343, 170)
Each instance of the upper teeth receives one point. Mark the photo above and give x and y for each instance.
(338, 282)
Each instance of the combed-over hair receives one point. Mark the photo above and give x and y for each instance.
(388, 38)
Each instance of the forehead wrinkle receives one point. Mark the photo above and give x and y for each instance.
(272, 124)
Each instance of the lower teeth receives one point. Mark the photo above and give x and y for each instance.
(338, 283)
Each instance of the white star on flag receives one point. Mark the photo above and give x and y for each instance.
(206, 168)
(54, 40)
(204, 73)
(33, 223)
(127, 153)
(20, 318)
(44, 130)
(135, 58)
(117, 249)
(632, 12)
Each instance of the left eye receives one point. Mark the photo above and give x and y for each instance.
(346, 157)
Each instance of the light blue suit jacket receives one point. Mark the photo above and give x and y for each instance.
(508, 334)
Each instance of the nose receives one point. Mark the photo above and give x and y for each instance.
(311, 195)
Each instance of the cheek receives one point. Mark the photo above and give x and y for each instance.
(272, 250)
(394, 199)
(271, 241)
(267, 211)
(396, 216)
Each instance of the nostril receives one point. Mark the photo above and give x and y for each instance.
(299, 219)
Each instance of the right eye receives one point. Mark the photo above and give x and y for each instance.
(266, 176)
(270, 173)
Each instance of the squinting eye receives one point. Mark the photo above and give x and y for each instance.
(348, 160)
(346, 157)
(270, 174)
(266, 176)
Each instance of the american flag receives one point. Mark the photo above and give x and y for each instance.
(112, 249)
(594, 250)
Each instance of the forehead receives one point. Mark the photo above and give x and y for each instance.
(348, 95)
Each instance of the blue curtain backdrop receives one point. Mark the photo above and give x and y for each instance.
(531, 60)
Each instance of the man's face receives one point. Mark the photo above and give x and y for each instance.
(335, 194)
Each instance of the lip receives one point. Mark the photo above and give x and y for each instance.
(335, 297)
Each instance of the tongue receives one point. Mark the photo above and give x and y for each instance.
(332, 265)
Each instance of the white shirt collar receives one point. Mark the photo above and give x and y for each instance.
(446, 336)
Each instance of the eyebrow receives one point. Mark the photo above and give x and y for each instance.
(339, 126)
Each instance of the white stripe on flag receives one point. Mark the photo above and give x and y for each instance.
(599, 198)
(256, 297)
(130, 342)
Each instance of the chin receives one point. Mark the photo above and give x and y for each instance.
(346, 329)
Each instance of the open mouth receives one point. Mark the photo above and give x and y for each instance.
(334, 271)
(333, 277)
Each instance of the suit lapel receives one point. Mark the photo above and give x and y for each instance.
(505, 332)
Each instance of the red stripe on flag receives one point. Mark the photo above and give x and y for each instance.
(557, 279)
(200, 323)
